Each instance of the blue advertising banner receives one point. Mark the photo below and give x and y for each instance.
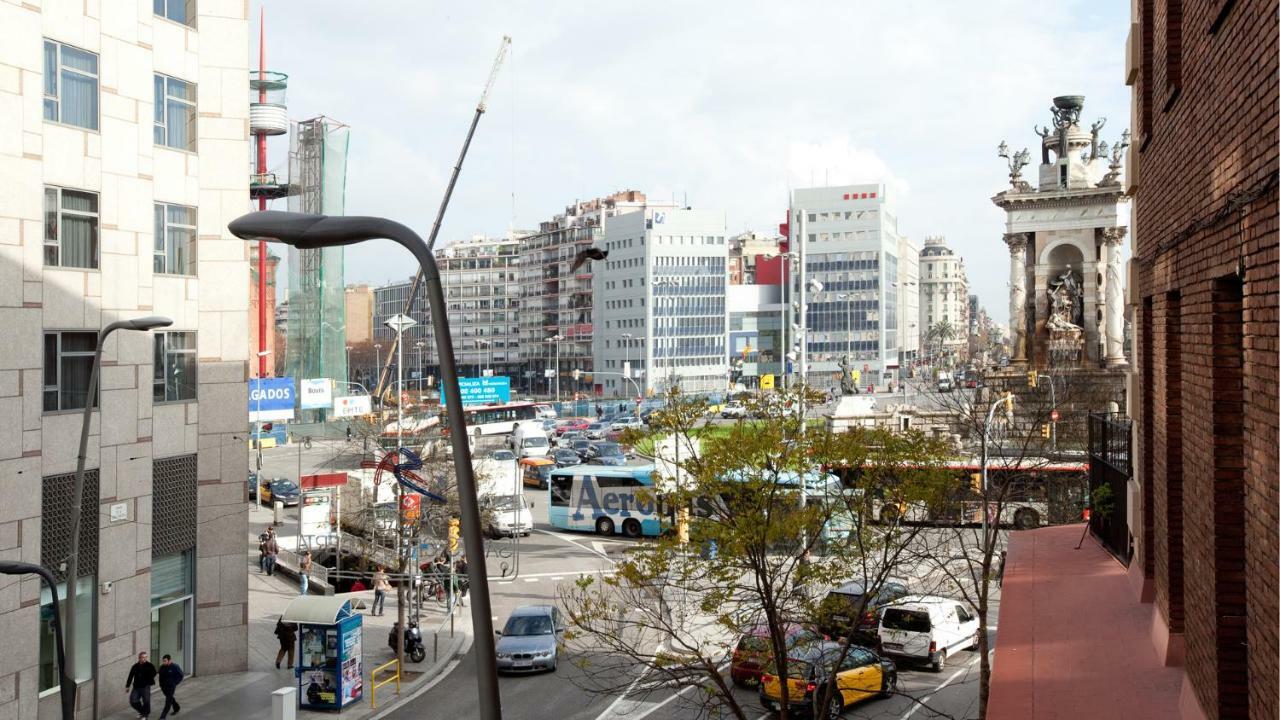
(482, 390)
(271, 399)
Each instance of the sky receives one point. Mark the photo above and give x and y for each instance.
(721, 105)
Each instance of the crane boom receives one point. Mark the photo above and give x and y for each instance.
(384, 373)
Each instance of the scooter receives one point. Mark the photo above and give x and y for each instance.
(413, 646)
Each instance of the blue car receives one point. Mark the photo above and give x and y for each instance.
(606, 453)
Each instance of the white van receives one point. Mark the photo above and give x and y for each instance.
(507, 515)
(945, 383)
(530, 440)
(927, 629)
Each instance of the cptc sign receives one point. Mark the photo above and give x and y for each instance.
(271, 399)
(482, 391)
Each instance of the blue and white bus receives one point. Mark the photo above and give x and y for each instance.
(605, 499)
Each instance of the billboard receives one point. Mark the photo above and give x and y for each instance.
(352, 405)
(270, 399)
(316, 393)
(482, 391)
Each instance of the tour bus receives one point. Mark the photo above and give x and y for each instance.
(819, 488)
(605, 499)
(492, 419)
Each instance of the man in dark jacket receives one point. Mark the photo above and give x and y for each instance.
(170, 675)
(141, 677)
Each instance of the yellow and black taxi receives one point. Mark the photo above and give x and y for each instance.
(822, 670)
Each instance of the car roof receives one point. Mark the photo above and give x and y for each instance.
(534, 461)
(532, 610)
(859, 587)
(924, 602)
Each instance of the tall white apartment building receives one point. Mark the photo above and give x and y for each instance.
(846, 238)
(660, 302)
(123, 156)
(909, 301)
(944, 297)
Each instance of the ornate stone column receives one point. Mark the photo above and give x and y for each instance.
(1113, 237)
(1017, 243)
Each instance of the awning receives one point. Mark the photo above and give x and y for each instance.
(319, 610)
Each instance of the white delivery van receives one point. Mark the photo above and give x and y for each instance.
(507, 515)
(927, 629)
(530, 440)
(945, 383)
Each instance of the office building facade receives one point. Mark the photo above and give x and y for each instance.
(123, 147)
(944, 298)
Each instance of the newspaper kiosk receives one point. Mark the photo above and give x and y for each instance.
(329, 667)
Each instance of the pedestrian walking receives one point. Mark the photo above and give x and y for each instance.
(460, 584)
(381, 586)
(170, 674)
(271, 549)
(348, 432)
(262, 551)
(141, 677)
(288, 638)
(304, 569)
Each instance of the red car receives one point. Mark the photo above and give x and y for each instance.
(754, 652)
(578, 424)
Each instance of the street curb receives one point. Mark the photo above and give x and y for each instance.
(453, 655)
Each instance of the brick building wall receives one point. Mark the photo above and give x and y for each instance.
(1205, 232)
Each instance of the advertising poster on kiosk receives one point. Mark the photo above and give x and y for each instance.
(352, 666)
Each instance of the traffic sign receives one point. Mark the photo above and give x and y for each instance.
(1054, 416)
(400, 322)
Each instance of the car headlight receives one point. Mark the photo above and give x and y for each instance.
(504, 656)
(545, 653)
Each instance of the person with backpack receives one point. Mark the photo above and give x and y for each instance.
(170, 675)
(271, 548)
(288, 640)
(141, 677)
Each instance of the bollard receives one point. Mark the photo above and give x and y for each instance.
(284, 704)
(278, 508)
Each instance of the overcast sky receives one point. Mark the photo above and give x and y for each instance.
(727, 104)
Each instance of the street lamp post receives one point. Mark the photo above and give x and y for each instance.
(66, 683)
(348, 363)
(1007, 401)
(142, 324)
(315, 231)
(419, 345)
(626, 354)
(377, 358)
(399, 323)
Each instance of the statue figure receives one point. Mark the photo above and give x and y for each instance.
(1094, 129)
(1066, 312)
(847, 384)
(1044, 133)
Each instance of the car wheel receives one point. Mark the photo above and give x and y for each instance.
(940, 662)
(553, 665)
(973, 645)
(890, 685)
(604, 526)
(631, 528)
(837, 705)
(1026, 519)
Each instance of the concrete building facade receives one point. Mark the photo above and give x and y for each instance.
(123, 147)
(661, 301)
(272, 332)
(944, 297)
(359, 305)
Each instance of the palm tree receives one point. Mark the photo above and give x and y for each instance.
(940, 333)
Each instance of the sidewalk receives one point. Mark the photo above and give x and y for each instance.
(247, 695)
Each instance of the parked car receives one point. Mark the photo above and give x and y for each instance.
(502, 454)
(542, 411)
(564, 457)
(582, 446)
(606, 453)
(567, 439)
(842, 604)
(927, 629)
(733, 411)
(536, 471)
(507, 515)
(549, 426)
(253, 485)
(282, 490)
(596, 430)
(811, 669)
(971, 382)
(626, 422)
(754, 652)
(529, 440)
(572, 425)
(530, 640)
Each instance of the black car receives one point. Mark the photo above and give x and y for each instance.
(838, 609)
(582, 447)
(565, 457)
(606, 453)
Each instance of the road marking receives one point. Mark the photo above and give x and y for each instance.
(575, 543)
(598, 547)
(682, 691)
(919, 704)
(531, 579)
(609, 710)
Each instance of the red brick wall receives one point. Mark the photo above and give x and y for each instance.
(1166, 425)
(1205, 213)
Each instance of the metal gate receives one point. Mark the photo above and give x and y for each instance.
(1111, 466)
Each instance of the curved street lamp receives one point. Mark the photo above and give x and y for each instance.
(304, 231)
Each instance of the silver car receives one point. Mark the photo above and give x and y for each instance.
(530, 640)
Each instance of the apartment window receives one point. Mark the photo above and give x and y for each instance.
(70, 85)
(175, 240)
(175, 110)
(179, 11)
(70, 228)
(174, 378)
(68, 359)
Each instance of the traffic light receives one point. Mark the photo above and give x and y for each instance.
(577, 374)
(1044, 430)
(455, 530)
(1031, 378)
(975, 480)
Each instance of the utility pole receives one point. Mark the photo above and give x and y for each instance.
(399, 323)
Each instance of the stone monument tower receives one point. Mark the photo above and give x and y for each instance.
(1066, 304)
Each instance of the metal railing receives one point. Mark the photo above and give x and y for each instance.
(373, 678)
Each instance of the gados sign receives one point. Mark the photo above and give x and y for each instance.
(271, 399)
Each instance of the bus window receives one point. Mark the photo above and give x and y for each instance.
(561, 490)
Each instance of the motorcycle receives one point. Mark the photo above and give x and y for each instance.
(413, 646)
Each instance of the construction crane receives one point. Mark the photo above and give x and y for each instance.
(384, 373)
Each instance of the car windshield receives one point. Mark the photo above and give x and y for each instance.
(521, 625)
(535, 442)
(608, 450)
(284, 486)
(503, 455)
(909, 620)
(581, 444)
(509, 502)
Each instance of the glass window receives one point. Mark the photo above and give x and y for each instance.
(180, 11)
(70, 85)
(70, 228)
(82, 663)
(174, 377)
(175, 240)
(175, 113)
(68, 360)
